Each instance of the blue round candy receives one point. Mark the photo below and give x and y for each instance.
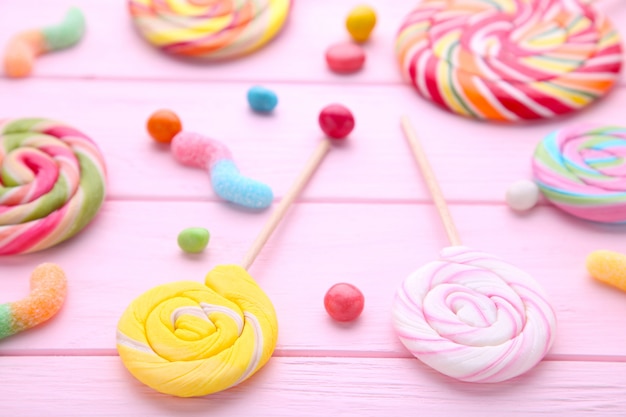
(261, 99)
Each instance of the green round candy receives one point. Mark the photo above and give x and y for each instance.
(193, 239)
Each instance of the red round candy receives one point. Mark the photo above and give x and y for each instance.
(336, 121)
(345, 57)
(344, 302)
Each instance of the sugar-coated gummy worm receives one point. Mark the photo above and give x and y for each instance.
(209, 29)
(52, 183)
(48, 288)
(199, 151)
(22, 50)
(582, 170)
(474, 317)
(509, 60)
(187, 339)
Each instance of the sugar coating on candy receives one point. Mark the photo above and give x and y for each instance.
(580, 169)
(344, 302)
(345, 57)
(360, 22)
(261, 99)
(522, 195)
(53, 183)
(608, 267)
(198, 151)
(509, 60)
(48, 289)
(22, 50)
(210, 337)
(336, 121)
(163, 125)
(474, 317)
(193, 239)
(209, 30)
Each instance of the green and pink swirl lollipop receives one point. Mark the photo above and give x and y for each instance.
(52, 183)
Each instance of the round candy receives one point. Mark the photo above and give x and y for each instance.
(52, 183)
(193, 239)
(211, 30)
(361, 22)
(344, 302)
(522, 195)
(345, 57)
(189, 340)
(261, 99)
(509, 60)
(163, 125)
(474, 317)
(582, 170)
(336, 121)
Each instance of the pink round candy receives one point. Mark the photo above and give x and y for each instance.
(344, 302)
(345, 57)
(336, 121)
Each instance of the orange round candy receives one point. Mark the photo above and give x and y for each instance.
(163, 125)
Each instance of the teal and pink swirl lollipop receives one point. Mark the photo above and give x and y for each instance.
(582, 170)
(52, 183)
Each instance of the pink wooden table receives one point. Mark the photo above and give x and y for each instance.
(365, 218)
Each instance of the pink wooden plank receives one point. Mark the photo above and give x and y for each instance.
(132, 247)
(473, 161)
(100, 386)
(111, 47)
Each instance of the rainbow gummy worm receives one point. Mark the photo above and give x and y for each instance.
(22, 50)
(509, 60)
(52, 183)
(48, 288)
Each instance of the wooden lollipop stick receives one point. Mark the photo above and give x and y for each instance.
(278, 214)
(431, 182)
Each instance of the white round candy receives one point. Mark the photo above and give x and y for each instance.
(522, 195)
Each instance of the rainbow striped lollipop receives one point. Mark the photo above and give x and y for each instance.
(209, 29)
(582, 170)
(471, 315)
(509, 60)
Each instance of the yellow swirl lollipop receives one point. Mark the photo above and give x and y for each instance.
(188, 339)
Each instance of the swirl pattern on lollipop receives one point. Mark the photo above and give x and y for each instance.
(188, 339)
(582, 170)
(52, 183)
(209, 29)
(474, 317)
(509, 60)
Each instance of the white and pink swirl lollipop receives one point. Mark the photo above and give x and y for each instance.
(470, 315)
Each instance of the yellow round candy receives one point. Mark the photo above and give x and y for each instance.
(187, 339)
(361, 22)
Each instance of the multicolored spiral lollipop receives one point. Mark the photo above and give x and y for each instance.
(209, 29)
(52, 184)
(581, 169)
(188, 339)
(509, 60)
(470, 315)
